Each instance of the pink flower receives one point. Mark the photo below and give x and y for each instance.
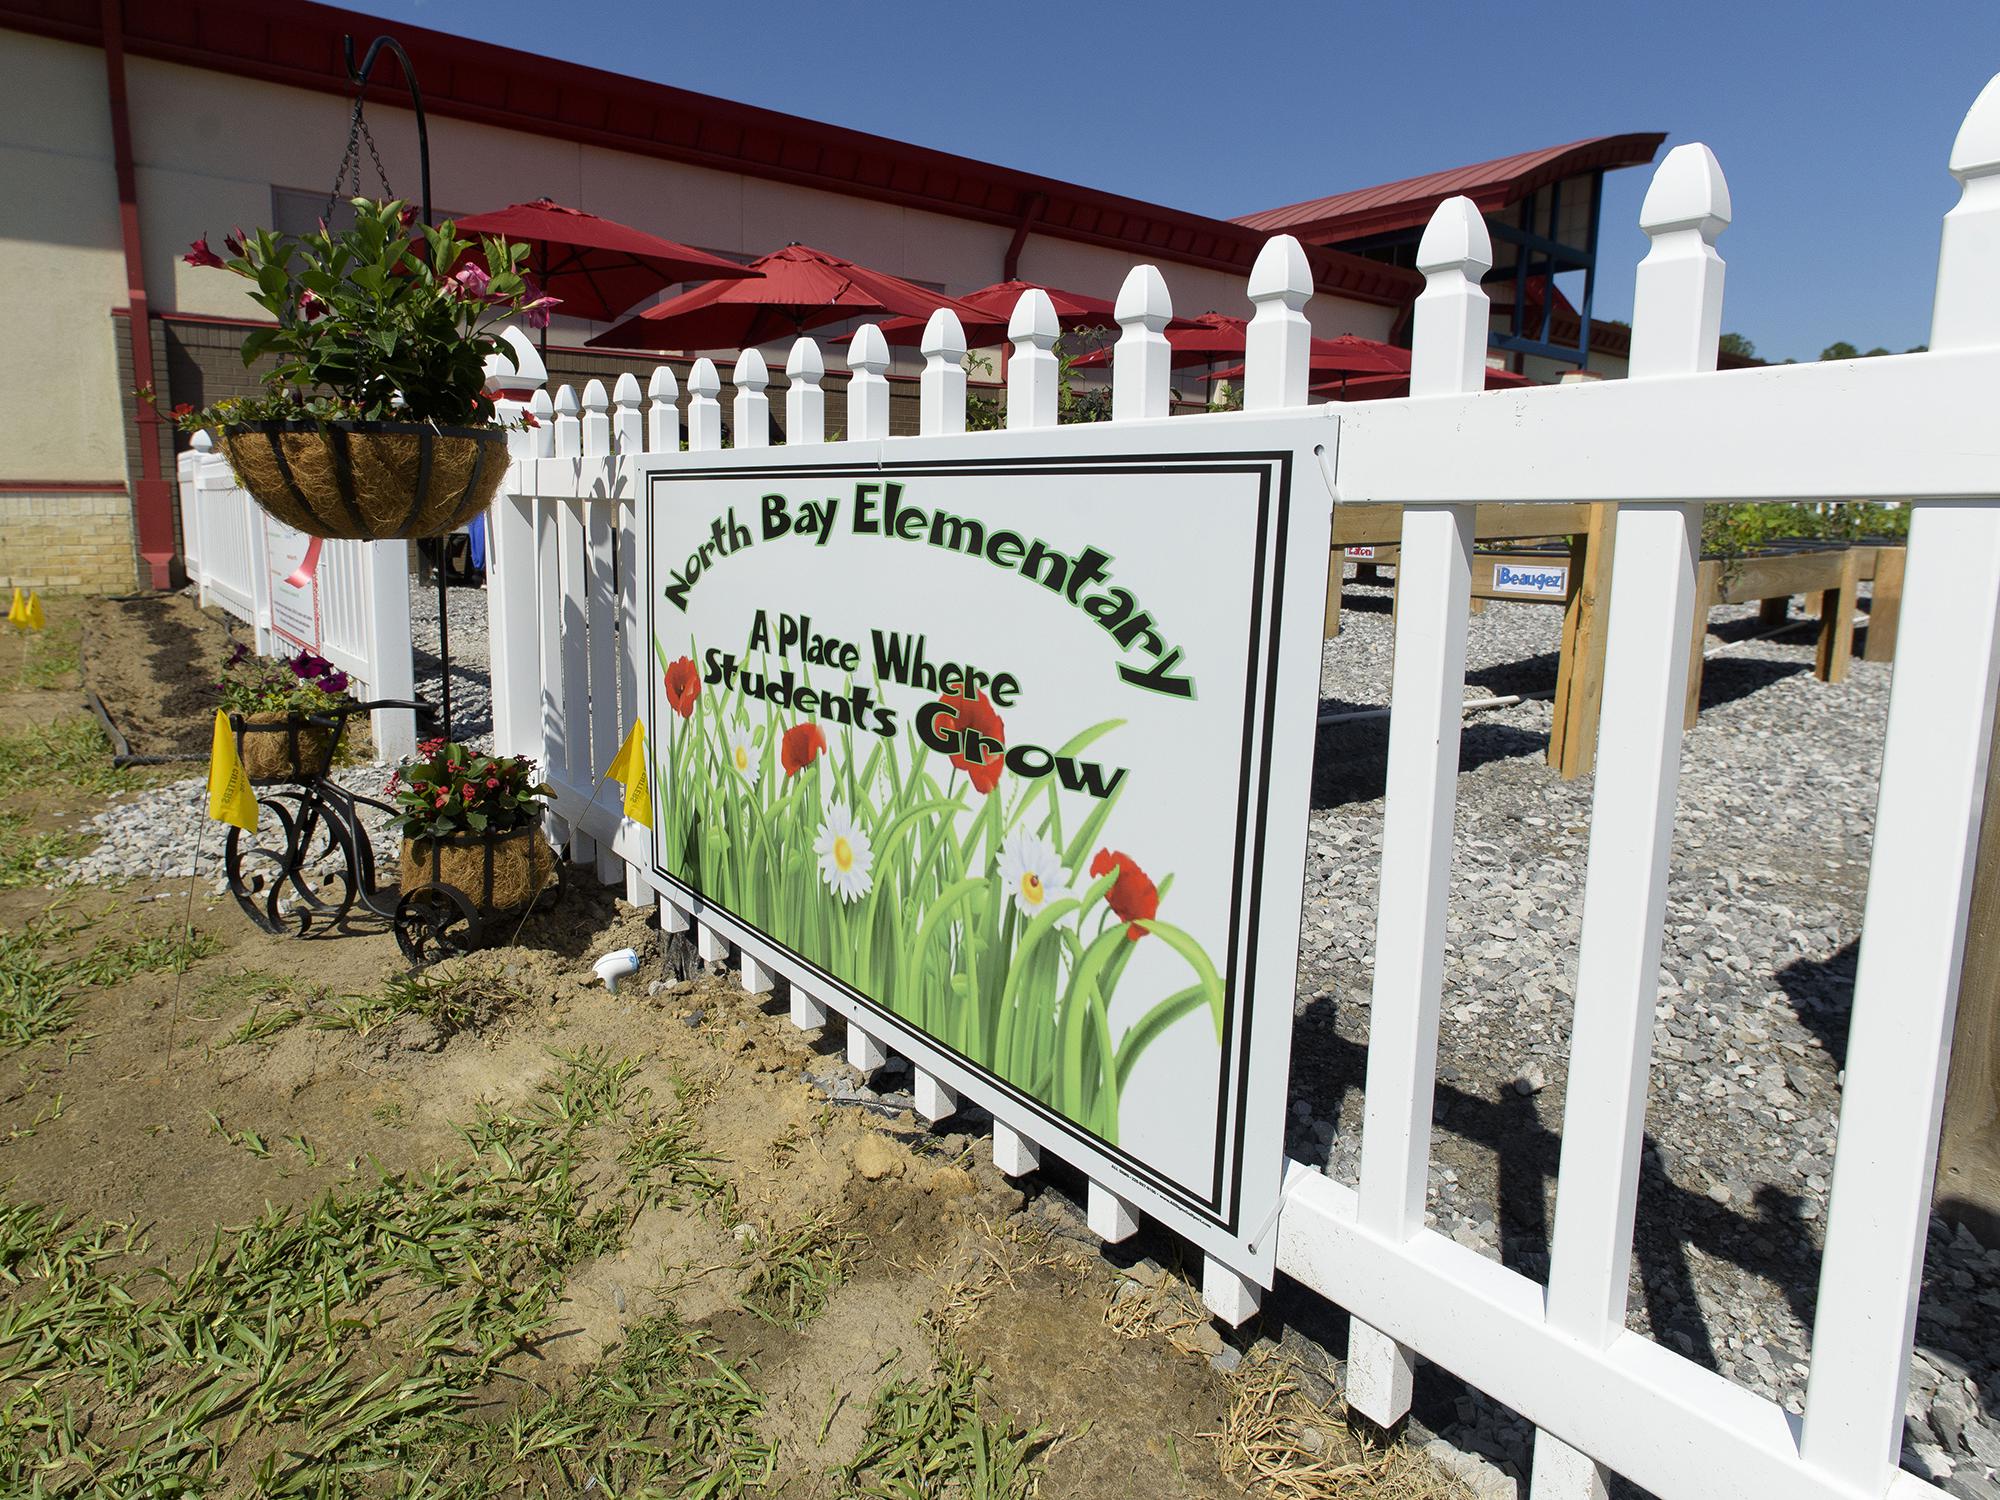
(200, 255)
(492, 782)
(442, 798)
(310, 305)
(470, 281)
(468, 789)
(535, 312)
(408, 216)
(233, 242)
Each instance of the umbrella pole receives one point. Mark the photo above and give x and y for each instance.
(444, 632)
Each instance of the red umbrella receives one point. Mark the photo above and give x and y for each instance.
(1197, 341)
(598, 267)
(1348, 354)
(798, 288)
(995, 304)
(1376, 387)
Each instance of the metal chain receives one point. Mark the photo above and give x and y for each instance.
(350, 161)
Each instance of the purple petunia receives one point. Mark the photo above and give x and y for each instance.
(334, 682)
(310, 668)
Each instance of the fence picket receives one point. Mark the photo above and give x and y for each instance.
(1033, 374)
(663, 419)
(572, 612)
(628, 438)
(704, 410)
(750, 419)
(867, 385)
(548, 614)
(1434, 582)
(514, 660)
(1677, 316)
(805, 397)
(1919, 886)
(600, 516)
(1142, 361)
(941, 391)
(1278, 343)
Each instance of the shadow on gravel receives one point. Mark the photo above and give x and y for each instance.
(1769, 1237)
(1822, 994)
(1351, 761)
(1728, 678)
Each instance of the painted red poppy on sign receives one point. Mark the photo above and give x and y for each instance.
(802, 745)
(683, 686)
(975, 714)
(1133, 896)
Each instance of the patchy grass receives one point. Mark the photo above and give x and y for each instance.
(797, 1269)
(334, 1350)
(451, 1001)
(38, 983)
(22, 855)
(929, 1437)
(70, 753)
(1275, 1442)
(52, 657)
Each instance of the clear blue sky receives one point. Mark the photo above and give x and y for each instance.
(1833, 120)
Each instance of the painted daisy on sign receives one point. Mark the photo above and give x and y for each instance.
(845, 858)
(743, 755)
(1031, 872)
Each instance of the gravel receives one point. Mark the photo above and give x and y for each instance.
(1773, 830)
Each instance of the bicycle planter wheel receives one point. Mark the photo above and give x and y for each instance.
(454, 886)
(302, 871)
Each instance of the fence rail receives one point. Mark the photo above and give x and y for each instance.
(1675, 436)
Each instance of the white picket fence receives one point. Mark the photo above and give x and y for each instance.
(568, 657)
(364, 595)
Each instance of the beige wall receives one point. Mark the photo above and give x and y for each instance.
(65, 266)
(208, 148)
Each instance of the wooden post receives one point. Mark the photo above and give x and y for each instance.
(1836, 622)
(1580, 674)
(1336, 580)
(1707, 587)
(1773, 612)
(1885, 604)
(1968, 1173)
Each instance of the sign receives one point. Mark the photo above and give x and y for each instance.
(1539, 580)
(1009, 759)
(294, 606)
(1361, 554)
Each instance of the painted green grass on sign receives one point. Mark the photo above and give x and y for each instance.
(994, 919)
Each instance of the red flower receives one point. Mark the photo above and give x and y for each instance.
(468, 789)
(442, 798)
(233, 243)
(184, 409)
(683, 686)
(310, 305)
(1133, 896)
(801, 746)
(492, 782)
(408, 216)
(975, 714)
(200, 255)
(528, 418)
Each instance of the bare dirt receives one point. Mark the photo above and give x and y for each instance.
(189, 1104)
(154, 661)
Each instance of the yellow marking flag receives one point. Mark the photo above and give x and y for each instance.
(36, 619)
(17, 612)
(230, 799)
(628, 768)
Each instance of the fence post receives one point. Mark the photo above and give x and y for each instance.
(750, 422)
(941, 392)
(628, 440)
(1677, 317)
(704, 410)
(513, 375)
(663, 418)
(1277, 345)
(867, 385)
(567, 661)
(601, 579)
(1033, 374)
(1934, 765)
(1434, 578)
(805, 399)
(1142, 361)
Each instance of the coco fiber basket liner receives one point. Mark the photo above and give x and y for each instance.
(497, 872)
(281, 747)
(368, 481)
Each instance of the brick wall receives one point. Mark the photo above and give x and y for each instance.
(67, 542)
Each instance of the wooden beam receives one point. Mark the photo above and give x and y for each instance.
(1358, 525)
(1707, 587)
(1836, 620)
(1580, 673)
(1885, 604)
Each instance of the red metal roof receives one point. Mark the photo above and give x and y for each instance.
(1489, 184)
(298, 43)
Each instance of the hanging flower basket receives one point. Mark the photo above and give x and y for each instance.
(497, 872)
(368, 481)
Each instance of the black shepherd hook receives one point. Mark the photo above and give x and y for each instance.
(359, 78)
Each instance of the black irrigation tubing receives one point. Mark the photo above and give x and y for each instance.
(122, 755)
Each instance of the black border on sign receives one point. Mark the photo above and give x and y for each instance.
(1268, 571)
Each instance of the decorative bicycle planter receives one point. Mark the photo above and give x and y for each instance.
(312, 863)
